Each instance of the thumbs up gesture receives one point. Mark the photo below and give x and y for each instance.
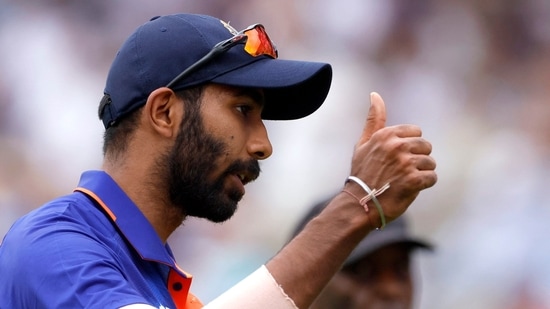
(397, 155)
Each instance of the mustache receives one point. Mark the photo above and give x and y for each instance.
(251, 168)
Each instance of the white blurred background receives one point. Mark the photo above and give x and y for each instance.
(474, 74)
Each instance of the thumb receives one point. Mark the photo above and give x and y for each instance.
(376, 119)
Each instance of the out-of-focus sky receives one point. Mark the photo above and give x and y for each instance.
(474, 74)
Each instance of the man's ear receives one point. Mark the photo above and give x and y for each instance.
(163, 111)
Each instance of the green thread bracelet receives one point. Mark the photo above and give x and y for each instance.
(373, 194)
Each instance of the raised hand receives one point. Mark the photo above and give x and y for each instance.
(398, 155)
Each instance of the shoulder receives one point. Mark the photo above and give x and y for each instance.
(44, 237)
(70, 223)
(66, 246)
(70, 213)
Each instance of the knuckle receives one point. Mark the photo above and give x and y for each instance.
(415, 181)
(429, 146)
(396, 147)
(432, 180)
(415, 130)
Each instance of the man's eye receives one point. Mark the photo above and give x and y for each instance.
(244, 109)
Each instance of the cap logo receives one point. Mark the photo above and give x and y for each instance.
(229, 27)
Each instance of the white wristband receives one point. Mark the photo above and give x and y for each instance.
(373, 194)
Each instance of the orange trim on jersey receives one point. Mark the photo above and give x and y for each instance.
(98, 200)
(178, 286)
(193, 302)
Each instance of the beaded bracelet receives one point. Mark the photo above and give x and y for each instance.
(371, 195)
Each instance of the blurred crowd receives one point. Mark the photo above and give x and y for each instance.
(474, 74)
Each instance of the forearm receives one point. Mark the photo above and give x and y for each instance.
(298, 273)
(308, 262)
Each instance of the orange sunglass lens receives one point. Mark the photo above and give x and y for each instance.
(258, 43)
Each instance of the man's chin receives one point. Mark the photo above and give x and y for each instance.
(221, 217)
(215, 208)
(223, 212)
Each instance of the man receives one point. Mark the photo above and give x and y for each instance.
(183, 110)
(378, 272)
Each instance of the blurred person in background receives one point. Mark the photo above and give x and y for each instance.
(379, 272)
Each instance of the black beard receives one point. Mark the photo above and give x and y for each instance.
(188, 165)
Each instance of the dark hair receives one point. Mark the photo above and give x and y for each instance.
(117, 136)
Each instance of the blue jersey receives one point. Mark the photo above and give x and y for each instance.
(89, 249)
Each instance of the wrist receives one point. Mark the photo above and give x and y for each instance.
(369, 195)
(351, 212)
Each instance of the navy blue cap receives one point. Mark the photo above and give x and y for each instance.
(395, 232)
(162, 48)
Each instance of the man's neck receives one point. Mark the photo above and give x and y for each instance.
(149, 195)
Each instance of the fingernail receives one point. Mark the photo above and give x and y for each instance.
(372, 94)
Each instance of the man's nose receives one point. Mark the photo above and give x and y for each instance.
(259, 145)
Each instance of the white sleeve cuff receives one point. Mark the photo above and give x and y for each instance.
(258, 290)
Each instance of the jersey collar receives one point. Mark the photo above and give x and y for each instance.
(131, 222)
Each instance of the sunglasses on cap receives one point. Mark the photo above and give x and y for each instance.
(256, 43)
